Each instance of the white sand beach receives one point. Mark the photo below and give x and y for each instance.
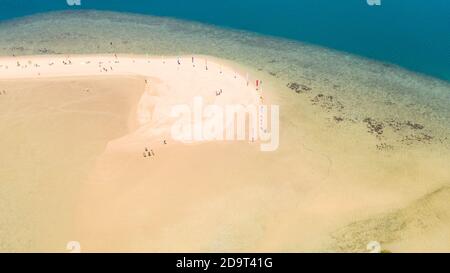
(126, 103)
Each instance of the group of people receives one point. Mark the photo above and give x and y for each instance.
(148, 153)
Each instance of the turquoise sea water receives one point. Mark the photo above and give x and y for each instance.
(413, 33)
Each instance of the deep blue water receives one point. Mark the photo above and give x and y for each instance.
(414, 34)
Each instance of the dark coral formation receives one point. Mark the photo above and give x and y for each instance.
(424, 138)
(374, 126)
(298, 88)
(398, 126)
(384, 147)
(408, 132)
(46, 51)
(327, 102)
(402, 132)
(414, 126)
(338, 119)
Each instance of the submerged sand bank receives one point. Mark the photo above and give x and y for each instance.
(80, 173)
(51, 134)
